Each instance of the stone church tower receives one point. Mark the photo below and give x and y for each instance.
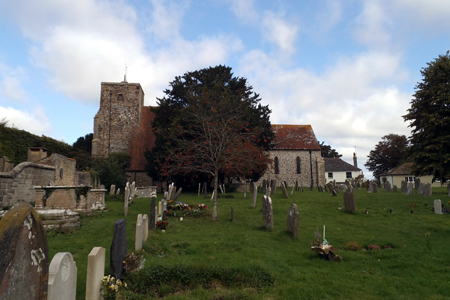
(119, 114)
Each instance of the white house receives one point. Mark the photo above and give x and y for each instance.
(339, 170)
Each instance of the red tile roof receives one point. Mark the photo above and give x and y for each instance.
(294, 137)
(142, 138)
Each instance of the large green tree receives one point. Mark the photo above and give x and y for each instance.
(388, 154)
(210, 123)
(429, 118)
(328, 152)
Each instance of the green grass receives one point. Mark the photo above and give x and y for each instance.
(417, 267)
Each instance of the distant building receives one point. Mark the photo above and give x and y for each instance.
(339, 170)
(403, 172)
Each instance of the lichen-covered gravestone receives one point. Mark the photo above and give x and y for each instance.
(349, 200)
(283, 189)
(118, 249)
(292, 220)
(254, 195)
(267, 213)
(62, 277)
(23, 255)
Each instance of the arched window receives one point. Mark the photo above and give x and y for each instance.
(277, 168)
(299, 170)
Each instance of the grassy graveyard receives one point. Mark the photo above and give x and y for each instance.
(272, 265)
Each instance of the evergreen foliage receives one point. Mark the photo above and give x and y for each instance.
(328, 152)
(429, 118)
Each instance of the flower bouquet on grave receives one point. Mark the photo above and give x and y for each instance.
(202, 206)
(412, 207)
(112, 288)
(162, 225)
(324, 250)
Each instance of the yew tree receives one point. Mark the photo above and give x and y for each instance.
(210, 122)
(429, 118)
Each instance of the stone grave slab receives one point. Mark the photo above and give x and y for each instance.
(118, 249)
(95, 273)
(349, 201)
(267, 213)
(437, 207)
(139, 234)
(292, 220)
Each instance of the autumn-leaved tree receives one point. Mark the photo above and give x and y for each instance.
(429, 118)
(387, 154)
(210, 122)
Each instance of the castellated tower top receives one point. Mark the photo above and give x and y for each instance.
(120, 112)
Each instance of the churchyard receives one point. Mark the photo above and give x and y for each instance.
(411, 263)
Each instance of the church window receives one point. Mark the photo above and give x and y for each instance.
(299, 170)
(277, 168)
(120, 97)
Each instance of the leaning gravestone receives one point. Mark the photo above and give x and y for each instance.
(369, 187)
(349, 200)
(292, 220)
(23, 255)
(437, 206)
(267, 213)
(177, 194)
(283, 189)
(62, 277)
(118, 249)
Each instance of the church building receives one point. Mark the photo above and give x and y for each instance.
(124, 124)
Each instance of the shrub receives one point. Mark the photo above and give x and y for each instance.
(353, 246)
(373, 247)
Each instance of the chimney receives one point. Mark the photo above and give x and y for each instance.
(355, 161)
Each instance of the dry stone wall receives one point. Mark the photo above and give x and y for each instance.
(17, 185)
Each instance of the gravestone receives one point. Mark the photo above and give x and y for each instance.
(387, 186)
(264, 186)
(369, 187)
(118, 249)
(178, 193)
(326, 188)
(268, 191)
(145, 227)
(127, 192)
(404, 187)
(164, 205)
(23, 255)
(199, 188)
(254, 195)
(416, 183)
(394, 189)
(232, 214)
(273, 186)
(292, 220)
(375, 188)
(267, 213)
(139, 234)
(125, 205)
(112, 190)
(283, 189)
(62, 277)
(427, 190)
(132, 191)
(349, 200)
(292, 191)
(95, 273)
(118, 191)
(409, 188)
(160, 208)
(334, 191)
(343, 187)
(437, 207)
(311, 187)
(152, 214)
(420, 189)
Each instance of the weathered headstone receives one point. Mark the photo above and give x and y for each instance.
(349, 200)
(178, 193)
(404, 187)
(292, 190)
(420, 189)
(125, 205)
(326, 188)
(264, 186)
(273, 186)
(343, 187)
(409, 188)
(387, 186)
(416, 183)
(112, 190)
(152, 214)
(118, 249)
(62, 277)
(268, 191)
(427, 190)
(254, 195)
(145, 227)
(437, 207)
(334, 191)
(375, 188)
(95, 273)
(139, 234)
(394, 189)
(118, 191)
(160, 208)
(199, 187)
(23, 255)
(164, 205)
(292, 220)
(127, 193)
(267, 213)
(283, 189)
(296, 185)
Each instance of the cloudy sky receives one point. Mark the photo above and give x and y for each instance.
(346, 67)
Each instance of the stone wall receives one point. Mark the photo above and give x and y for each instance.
(66, 174)
(287, 165)
(19, 182)
(119, 113)
(5, 164)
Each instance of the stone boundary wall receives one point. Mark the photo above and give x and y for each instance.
(287, 165)
(18, 184)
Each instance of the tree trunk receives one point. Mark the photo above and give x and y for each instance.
(216, 180)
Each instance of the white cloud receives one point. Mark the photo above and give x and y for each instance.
(279, 31)
(11, 83)
(35, 122)
(244, 10)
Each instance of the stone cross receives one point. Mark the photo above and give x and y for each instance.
(62, 277)
(292, 220)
